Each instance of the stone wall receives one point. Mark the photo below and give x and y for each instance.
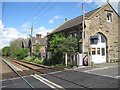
(99, 24)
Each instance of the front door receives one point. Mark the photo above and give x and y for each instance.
(98, 49)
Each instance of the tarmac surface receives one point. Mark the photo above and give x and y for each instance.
(104, 69)
(65, 79)
(84, 77)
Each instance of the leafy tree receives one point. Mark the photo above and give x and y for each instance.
(20, 53)
(37, 48)
(59, 45)
(16, 50)
(6, 51)
(15, 44)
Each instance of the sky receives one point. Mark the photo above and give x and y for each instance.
(16, 18)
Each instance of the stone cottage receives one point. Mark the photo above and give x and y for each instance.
(31, 44)
(101, 33)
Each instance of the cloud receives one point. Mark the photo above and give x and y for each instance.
(56, 17)
(1, 25)
(9, 34)
(42, 30)
(26, 25)
(51, 21)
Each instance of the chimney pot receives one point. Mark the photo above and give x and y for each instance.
(39, 35)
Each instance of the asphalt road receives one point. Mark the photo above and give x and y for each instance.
(64, 79)
(106, 69)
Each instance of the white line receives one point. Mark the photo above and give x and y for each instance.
(117, 76)
(52, 72)
(103, 75)
(47, 82)
(96, 69)
(43, 82)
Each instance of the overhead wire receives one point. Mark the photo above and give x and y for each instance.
(45, 11)
(37, 14)
(27, 17)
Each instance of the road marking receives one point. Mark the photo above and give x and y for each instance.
(103, 75)
(52, 72)
(47, 82)
(96, 69)
(117, 76)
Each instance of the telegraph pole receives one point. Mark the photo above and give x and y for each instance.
(83, 16)
(31, 39)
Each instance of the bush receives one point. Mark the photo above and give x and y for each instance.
(20, 53)
(33, 59)
(6, 51)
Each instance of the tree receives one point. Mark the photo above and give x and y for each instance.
(60, 44)
(37, 48)
(20, 53)
(15, 44)
(6, 51)
(16, 50)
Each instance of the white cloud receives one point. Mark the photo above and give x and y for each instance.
(9, 34)
(42, 30)
(26, 25)
(1, 25)
(56, 17)
(51, 21)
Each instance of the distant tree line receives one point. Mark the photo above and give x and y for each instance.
(15, 50)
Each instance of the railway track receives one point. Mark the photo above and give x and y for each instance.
(41, 70)
(18, 74)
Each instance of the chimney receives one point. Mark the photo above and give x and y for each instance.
(39, 35)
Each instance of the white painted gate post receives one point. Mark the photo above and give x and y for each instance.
(77, 59)
(66, 59)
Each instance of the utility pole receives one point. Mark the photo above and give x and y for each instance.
(31, 39)
(83, 16)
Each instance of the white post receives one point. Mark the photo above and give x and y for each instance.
(66, 59)
(78, 59)
(74, 59)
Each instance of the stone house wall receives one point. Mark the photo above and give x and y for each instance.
(98, 24)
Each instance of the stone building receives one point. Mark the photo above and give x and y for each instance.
(101, 33)
(31, 44)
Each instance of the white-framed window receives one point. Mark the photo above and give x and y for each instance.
(109, 17)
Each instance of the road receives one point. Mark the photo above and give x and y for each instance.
(65, 79)
(106, 69)
(98, 76)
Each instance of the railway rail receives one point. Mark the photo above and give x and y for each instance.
(18, 74)
(42, 70)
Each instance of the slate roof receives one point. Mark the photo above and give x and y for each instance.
(74, 22)
(26, 42)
